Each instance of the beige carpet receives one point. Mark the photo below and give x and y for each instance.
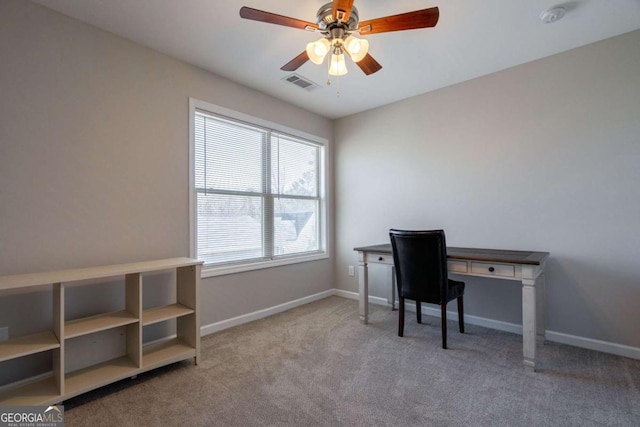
(317, 365)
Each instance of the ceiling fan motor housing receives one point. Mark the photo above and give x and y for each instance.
(326, 20)
(337, 33)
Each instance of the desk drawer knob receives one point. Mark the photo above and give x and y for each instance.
(380, 259)
(491, 269)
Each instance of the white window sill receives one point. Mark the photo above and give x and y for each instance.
(239, 268)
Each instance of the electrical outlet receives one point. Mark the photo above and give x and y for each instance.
(352, 270)
(4, 333)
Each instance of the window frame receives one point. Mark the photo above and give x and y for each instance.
(323, 188)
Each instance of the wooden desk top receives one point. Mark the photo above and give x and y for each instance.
(476, 254)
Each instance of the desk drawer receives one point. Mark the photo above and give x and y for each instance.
(504, 270)
(457, 266)
(380, 258)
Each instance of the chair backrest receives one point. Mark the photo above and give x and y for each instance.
(420, 259)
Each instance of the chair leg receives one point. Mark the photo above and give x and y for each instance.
(419, 311)
(461, 314)
(443, 318)
(400, 317)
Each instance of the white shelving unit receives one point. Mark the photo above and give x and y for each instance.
(139, 357)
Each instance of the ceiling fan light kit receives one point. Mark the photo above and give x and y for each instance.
(337, 66)
(357, 48)
(337, 21)
(318, 50)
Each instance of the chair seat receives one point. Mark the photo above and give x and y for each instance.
(456, 289)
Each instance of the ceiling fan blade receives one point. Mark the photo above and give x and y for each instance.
(405, 21)
(369, 65)
(272, 18)
(342, 9)
(296, 62)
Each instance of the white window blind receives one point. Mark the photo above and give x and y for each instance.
(258, 194)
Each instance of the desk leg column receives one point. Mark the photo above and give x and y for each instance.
(529, 323)
(363, 289)
(540, 309)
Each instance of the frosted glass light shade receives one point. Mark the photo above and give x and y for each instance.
(357, 48)
(318, 50)
(337, 67)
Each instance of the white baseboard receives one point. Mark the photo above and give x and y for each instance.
(354, 295)
(576, 341)
(591, 344)
(260, 314)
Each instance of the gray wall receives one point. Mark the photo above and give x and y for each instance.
(94, 159)
(544, 156)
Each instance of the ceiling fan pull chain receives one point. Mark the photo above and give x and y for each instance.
(329, 80)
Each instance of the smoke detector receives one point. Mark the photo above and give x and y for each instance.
(552, 15)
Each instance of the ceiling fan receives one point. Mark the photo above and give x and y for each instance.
(337, 21)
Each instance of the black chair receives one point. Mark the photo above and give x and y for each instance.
(420, 259)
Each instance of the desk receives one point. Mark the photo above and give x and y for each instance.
(522, 266)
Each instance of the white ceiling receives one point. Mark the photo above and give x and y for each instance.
(472, 38)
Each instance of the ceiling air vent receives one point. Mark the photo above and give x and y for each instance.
(298, 80)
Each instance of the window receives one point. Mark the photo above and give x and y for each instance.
(258, 192)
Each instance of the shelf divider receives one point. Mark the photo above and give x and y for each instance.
(101, 322)
(29, 344)
(165, 352)
(133, 303)
(160, 314)
(39, 392)
(95, 376)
